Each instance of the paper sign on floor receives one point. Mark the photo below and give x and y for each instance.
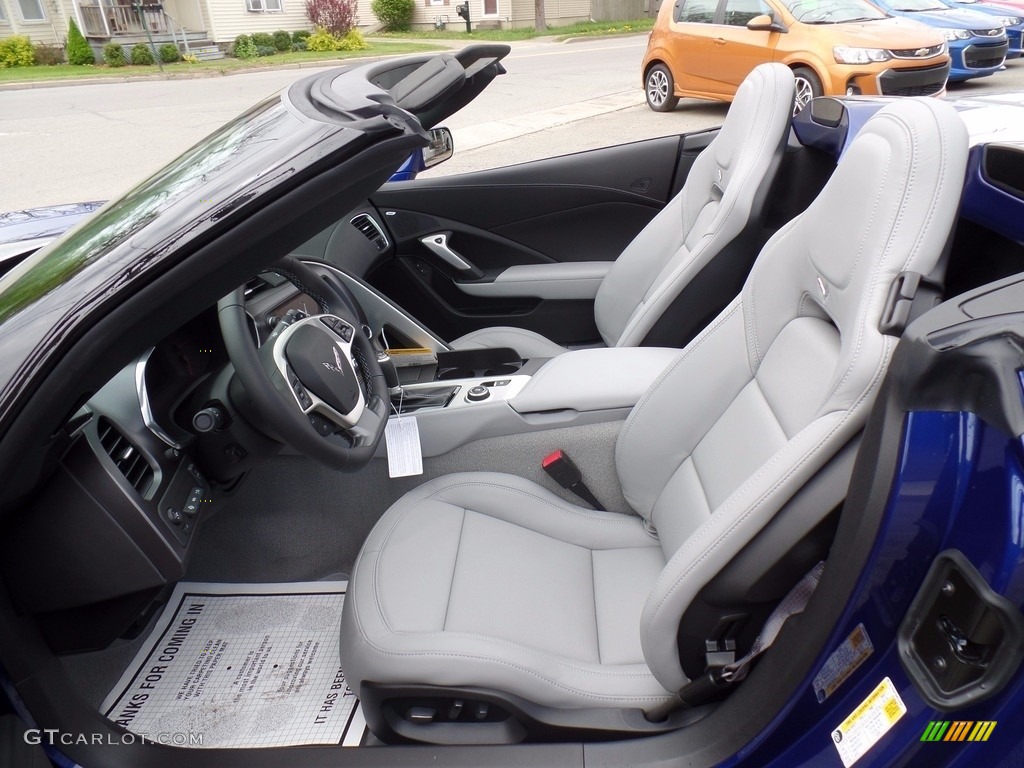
(242, 665)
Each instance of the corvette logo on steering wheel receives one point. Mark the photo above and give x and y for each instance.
(338, 368)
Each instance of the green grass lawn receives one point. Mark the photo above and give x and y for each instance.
(65, 71)
(457, 31)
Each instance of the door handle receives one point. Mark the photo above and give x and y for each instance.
(719, 41)
(437, 244)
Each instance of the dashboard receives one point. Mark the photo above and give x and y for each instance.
(136, 480)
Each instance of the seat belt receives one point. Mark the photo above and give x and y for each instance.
(709, 686)
(793, 603)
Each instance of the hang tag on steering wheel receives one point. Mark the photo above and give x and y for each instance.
(402, 436)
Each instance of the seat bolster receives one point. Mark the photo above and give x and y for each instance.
(680, 407)
(729, 528)
(528, 344)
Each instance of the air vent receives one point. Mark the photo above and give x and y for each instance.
(371, 230)
(126, 457)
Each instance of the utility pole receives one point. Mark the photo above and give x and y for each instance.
(540, 17)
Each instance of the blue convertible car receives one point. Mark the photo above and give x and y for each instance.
(703, 450)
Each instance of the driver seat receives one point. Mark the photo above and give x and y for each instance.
(488, 587)
(715, 215)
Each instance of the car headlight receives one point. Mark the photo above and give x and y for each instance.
(1009, 21)
(847, 55)
(956, 34)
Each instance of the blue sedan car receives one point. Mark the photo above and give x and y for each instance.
(977, 42)
(209, 523)
(1010, 20)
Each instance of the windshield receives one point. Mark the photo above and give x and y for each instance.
(916, 6)
(833, 11)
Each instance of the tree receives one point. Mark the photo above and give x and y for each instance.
(540, 22)
(79, 50)
(336, 16)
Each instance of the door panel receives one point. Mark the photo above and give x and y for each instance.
(582, 207)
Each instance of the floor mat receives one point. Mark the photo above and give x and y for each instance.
(242, 665)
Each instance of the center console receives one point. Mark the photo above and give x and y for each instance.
(466, 395)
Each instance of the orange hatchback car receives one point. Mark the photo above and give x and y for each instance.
(704, 49)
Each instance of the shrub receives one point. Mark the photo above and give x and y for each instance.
(322, 40)
(353, 41)
(282, 40)
(48, 55)
(265, 50)
(16, 52)
(299, 45)
(169, 53)
(263, 38)
(336, 16)
(190, 58)
(395, 15)
(79, 51)
(141, 55)
(300, 34)
(245, 48)
(113, 55)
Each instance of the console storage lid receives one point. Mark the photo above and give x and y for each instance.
(594, 379)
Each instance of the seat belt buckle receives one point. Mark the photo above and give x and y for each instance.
(561, 469)
(564, 471)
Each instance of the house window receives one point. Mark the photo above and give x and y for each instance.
(3, 13)
(264, 6)
(31, 10)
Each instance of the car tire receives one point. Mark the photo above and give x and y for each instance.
(807, 86)
(659, 87)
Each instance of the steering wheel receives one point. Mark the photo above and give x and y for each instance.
(316, 380)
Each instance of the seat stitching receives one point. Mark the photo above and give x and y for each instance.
(455, 567)
(593, 591)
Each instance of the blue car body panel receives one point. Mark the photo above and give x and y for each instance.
(974, 477)
(964, 54)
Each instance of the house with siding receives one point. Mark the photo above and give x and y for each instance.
(189, 23)
(197, 25)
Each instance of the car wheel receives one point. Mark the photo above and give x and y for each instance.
(807, 87)
(660, 89)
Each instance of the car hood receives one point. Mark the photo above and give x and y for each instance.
(892, 33)
(951, 18)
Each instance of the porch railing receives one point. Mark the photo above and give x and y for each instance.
(113, 20)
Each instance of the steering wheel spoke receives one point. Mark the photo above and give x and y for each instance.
(316, 377)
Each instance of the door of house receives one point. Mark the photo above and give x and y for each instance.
(490, 7)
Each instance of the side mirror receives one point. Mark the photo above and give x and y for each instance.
(439, 149)
(764, 23)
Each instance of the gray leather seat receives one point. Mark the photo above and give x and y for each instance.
(488, 581)
(724, 191)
